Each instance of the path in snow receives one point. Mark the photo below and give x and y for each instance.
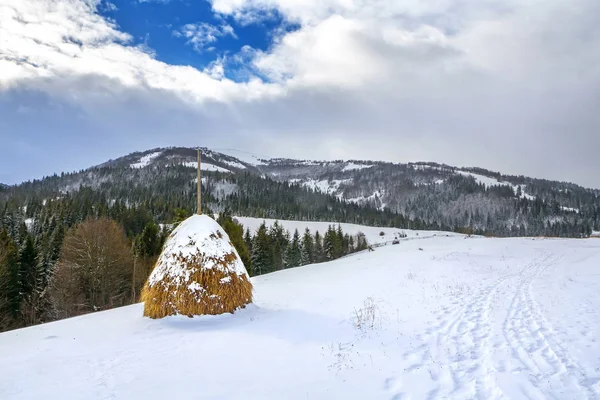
(477, 349)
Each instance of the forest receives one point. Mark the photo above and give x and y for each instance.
(75, 255)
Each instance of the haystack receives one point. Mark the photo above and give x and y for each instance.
(198, 272)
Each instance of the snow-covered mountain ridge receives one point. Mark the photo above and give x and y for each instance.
(438, 194)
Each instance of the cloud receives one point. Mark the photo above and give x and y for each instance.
(108, 6)
(507, 85)
(202, 34)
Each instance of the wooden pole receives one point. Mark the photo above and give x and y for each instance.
(199, 207)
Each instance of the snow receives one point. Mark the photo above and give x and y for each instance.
(487, 182)
(570, 209)
(372, 234)
(197, 234)
(243, 156)
(325, 186)
(378, 194)
(353, 167)
(424, 167)
(29, 223)
(204, 166)
(144, 161)
(235, 164)
(460, 319)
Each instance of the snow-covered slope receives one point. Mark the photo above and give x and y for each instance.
(439, 318)
(372, 234)
(488, 181)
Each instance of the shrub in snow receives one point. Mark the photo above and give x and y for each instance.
(198, 272)
(367, 317)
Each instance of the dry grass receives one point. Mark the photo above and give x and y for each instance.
(367, 317)
(207, 291)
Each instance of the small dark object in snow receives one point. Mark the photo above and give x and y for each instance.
(371, 248)
(396, 241)
(420, 249)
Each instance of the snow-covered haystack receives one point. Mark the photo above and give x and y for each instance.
(198, 272)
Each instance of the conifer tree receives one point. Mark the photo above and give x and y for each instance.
(10, 296)
(318, 255)
(235, 231)
(262, 258)
(27, 267)
(329, 244)
(340, 248)
(307, 255)
(293, 255)
(248, 240)
(279, 241)
(148, 243)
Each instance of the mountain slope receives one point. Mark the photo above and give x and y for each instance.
(461, 318)
(428, 194)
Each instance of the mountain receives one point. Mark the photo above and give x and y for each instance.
(420, 195)
(437, 318)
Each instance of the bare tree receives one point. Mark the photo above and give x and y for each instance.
(95, 268)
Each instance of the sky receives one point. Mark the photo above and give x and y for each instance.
(508, 85)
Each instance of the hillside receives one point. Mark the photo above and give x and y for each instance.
(442, 317)
(377, 236)
(413, 195)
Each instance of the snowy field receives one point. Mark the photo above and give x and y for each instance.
(463, 318)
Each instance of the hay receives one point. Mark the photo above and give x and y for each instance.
(199, 272)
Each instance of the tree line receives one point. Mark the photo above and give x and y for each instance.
(50, 271)
(274, 248)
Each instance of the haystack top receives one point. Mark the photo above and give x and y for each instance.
(197, 234)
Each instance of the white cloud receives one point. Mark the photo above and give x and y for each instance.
(202, 34)
(508, 85)
(108, 6)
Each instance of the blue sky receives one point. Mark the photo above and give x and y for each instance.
(155, 23)
(507, 85)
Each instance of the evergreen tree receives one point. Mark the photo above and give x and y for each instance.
(293, 255)
(148, 243)
(10, 294)
(180, 215)
(329, 244)
(341, 247)
(235, 231)
(279, 238)
(262, 258)
(27, 267)
(248, 240)
(308, 250)
(318, 255)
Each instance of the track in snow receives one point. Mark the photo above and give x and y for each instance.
(478, 349)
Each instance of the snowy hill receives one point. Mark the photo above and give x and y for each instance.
(442, 317)
(434, 196)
